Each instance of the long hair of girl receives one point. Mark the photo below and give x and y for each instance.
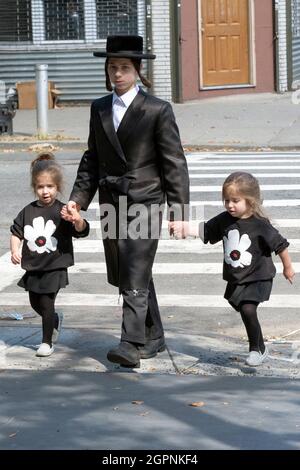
(248, 187)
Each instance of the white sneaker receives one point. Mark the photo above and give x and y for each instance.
(44, 350)
(256, 358)
(56, 331)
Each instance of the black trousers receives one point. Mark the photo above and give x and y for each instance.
(141, 316)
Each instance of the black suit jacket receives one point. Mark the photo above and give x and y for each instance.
(144, 160)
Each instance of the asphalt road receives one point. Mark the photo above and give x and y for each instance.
(76, 399)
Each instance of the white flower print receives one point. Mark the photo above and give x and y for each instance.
(39, 235)
(235, 249)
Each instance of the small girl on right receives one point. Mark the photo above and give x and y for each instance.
(248, 242)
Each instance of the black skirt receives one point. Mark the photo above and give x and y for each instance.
(44, 282)
(258, 291)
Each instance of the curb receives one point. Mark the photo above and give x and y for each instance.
(241, 148)
(82, 144)
(56, 143)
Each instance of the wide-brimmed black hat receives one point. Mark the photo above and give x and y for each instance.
(129, 47)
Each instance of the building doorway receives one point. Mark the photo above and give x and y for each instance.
(225, 43)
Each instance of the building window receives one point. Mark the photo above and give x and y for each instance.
(37, 21)
(296, 18)
(116, 17)
(15, 21)
(64, 20)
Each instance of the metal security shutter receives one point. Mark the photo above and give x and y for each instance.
(296, 39)
(76, 73)
(296, 59)
(15, 21)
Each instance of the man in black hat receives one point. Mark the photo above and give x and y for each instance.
(134, 151)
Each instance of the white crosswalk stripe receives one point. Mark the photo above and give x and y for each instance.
(159, 268)
(257, 175)
(171, 246)
(241, 167)
(263, 187)
(95, 224)
(243, 156)
(267, 203)
(102, 300)
(209, 168)
(167, 268)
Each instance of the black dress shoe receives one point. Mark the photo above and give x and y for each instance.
(152, 347)
(126, 354)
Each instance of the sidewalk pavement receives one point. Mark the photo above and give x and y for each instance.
(198, 394)
(252, 121)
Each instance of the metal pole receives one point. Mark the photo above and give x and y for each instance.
(175, 13)
(149, 39)
(289, 38)
(2, 92)
(41, 77)
(276, 46)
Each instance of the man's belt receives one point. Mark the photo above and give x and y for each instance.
(119, 185)
(116, 185)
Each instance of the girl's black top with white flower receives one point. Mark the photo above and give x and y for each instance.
(47, 237)
(248, 245)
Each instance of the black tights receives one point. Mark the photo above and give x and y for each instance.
(248, 311)
(43, 304)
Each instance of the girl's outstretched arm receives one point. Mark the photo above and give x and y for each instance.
(15, 244)
(288, 270)
(187, 229)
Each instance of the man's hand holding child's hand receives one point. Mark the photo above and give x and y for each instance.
(71, 213)
(179, 229)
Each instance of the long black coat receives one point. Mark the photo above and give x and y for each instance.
(144, 160)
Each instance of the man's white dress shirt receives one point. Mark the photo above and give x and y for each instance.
(120, 104)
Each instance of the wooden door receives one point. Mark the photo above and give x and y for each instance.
(225, 42)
